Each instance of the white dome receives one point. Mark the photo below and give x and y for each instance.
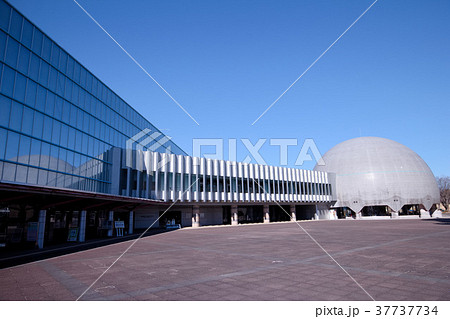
(373, 171)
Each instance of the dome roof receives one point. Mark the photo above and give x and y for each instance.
(374, 171)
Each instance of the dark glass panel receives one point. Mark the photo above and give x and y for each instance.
(15, 28)
(43, 74)
(38, 124)
(24, 150)
(5, 12)
(24, 59)
(60, 84)
(50, 103)
(20, 87)
(12, 146)
(27, 33)
(37, 41)
(41, 95)
(46, 48)
(15, 120)
(56, 132)
(62, 61)
(45, 155)
(55, 55)
(33, 71)
(47, 133)
(5, 109)
(3, 136)
(2, 45)
(52, 80)
(12, 52)
(27, 121)
(31, 93)
(35, 152)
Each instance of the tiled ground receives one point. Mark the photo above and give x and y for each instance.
(390, 259)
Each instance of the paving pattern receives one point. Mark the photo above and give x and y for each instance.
(390, 259)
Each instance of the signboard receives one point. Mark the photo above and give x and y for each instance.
(32, 231)
(119, 224)
(73, 234)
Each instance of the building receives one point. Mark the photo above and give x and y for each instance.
(75, 158)
(380, 177)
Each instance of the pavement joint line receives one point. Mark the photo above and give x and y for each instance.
(137, 239)
(312, 238)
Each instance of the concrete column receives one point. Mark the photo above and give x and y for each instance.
(266, 214)
(82, 233)
(130, 223)
(41, 228)
(293, 215)
(234, 215)
(394, 214)
(111, 219)
(196, 216)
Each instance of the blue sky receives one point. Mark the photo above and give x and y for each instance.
(227, 61)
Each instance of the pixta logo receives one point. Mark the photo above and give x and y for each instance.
(307, 152)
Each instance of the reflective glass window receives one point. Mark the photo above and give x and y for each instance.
(64, 135)
(20, 87)
(41, 94)
(24, 59)
(78, 141)
(12, 52)
(37, 41)
(9, 172)
(15, 28)
(76, 72)
(62, 61)
(71, 139)
(83, 77)
(21, 174)
(73, 116)
(70, 63)
(27, 33)
(47, 132)
(3, 135)
(42, 177)
(52, 78)
(15, 120)
(32, 176)
(51, 180)
(50, 103)
(24, 150)
(30, 99)
(33, 71)
(27, 121)
(68, 90)
(75, 93)
(43, 73)
(35, 151)
(56, 132)
(5, 12)
(45, 155)
(5, 109)
(12, 146)
(38, 124)
(58, 108)
(60, 84)
(2, 45)
(66, 111)
(54, 60)
(46, 48)
(54, 154)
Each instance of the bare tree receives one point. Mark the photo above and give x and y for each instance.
(444, 188)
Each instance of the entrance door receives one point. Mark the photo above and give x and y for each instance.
(170, 217)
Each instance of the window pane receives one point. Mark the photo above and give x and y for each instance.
(24, 58)
(7, 81)
(64, 134)
(45, 153)
(56, 132)
(5, 109)
(24, 150)
(50, 103)
(58, 108)
(53, 75)
(60, 84)
(62, 61)
(55, 55)
(43, 74)
(5, 11)
(46, 48)
(9, 172)
(34, 67)
(27, 33)
(37, 41)
(2, 45)
(15, 121)
(40, 98)
(12, 52)
(35, 152)
(38, 124)
(47, 133)
(15, 28)
(20, 87)
(69, 70)
(12, 146)
(32, 175)
(31, 93)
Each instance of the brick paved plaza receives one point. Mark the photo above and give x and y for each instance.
(391, 259)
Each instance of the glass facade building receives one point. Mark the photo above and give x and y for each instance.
(58, 122)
